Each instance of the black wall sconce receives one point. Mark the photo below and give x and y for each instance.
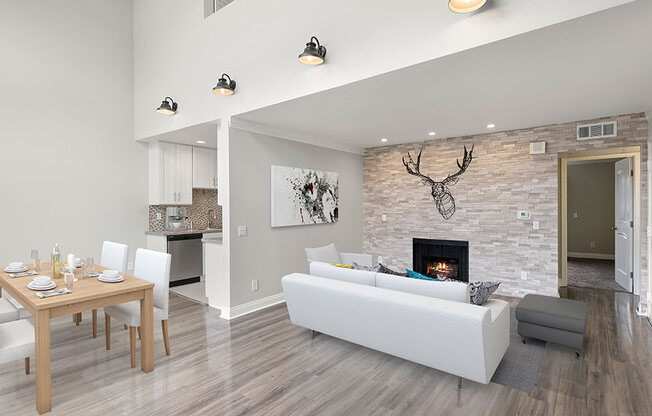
(314, 53)
(223, 87)
(168, 106)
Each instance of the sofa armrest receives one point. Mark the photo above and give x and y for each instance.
(496, 335)
(361, 259)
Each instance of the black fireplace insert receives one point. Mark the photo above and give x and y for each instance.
(441, 259)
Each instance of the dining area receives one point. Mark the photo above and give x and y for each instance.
(34, 294)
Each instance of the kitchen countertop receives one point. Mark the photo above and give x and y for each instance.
(184, 232)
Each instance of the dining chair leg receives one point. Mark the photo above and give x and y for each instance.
(77, 318)
(107, 330)
(94, 323)
(166, 340)
(132, 343)
(139, 333)
(26, 365)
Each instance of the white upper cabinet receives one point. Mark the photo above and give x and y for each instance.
(204, 168)
(170, 174)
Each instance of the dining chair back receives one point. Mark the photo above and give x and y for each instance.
(114, 256)
(154, 266)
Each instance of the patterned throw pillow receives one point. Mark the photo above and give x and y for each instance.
(480, 291)
(387, 270)
(375, 268)
(344, 266)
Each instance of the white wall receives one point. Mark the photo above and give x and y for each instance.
(181, 54)
(267, 253)
(67, 122)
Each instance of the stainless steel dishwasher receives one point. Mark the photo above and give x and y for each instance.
(187, 262)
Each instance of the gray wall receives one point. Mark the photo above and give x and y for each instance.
(267, 253)
(591, 197)
(67, 122)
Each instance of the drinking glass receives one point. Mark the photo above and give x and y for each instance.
(90, 265)
(69, 280)
(37, 265)
(34, 255)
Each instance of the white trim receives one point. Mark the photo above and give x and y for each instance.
(294, 136)
(597, 256)
(247, 308)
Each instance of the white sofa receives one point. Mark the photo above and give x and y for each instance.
(329, 254)
(437, 327)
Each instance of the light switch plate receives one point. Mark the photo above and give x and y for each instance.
(159, 216)
(523, 275)
(254, 285)
(380, 259)
(383, 218)
(242, 230)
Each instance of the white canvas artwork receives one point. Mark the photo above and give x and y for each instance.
(303, 196)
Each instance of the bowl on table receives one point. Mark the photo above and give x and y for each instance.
(42, 281)
(110, 273)
(16, 265)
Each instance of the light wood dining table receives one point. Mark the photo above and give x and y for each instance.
(88, 294)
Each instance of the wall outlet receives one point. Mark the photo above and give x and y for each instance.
(159, 216)
(574, 214)
(592, 244)
(130, 265)
(242, 230)
(523, 275)
(383, 218)
(535, 225)
(254, 285)
(380, 259)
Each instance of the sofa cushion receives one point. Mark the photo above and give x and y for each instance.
(326, 254)
(456, 291)
(566, 314)
(347, 275)
(375, 268)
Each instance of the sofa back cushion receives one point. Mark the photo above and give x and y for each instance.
(329, 271)
(326, 254)
(455, 291)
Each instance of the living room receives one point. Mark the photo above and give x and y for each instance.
(395, 188)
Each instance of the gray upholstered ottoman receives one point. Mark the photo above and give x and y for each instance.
(562, 321)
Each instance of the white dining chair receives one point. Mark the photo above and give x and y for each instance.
(153, 266)
(114, 257)
(8, 312)
(16, 341)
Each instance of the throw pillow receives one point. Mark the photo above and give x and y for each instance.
(375, 268)
(344, 266)
(415, 275)
(387, 270)
(480, 291)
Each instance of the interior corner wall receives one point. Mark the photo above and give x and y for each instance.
(502, 179)
(267, 254)
(591, 208)
(70, 170)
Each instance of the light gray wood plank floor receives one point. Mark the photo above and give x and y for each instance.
(261, 364)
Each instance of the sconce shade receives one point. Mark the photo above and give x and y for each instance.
(465, 6)
(168, 106)
(223, 87)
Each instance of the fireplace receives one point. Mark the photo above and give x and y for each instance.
(441, 259)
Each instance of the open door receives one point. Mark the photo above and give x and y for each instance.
(624, 225)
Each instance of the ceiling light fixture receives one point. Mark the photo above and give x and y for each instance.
(200, 142)
(314, 53)
(167, 107)
(223, 87)
(383, 139)
(491, 126)
(432, 133)
(465, 6)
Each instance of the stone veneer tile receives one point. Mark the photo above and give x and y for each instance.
(502, 179)
(202, 201)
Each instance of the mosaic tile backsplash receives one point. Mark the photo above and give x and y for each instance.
(203, 200)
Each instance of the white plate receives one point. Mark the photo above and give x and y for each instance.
(22, 269)
(107, 280)
(31, 285)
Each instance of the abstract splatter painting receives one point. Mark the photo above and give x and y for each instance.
(303, 196)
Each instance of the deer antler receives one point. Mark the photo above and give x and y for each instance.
(413, 169)
(466, 161)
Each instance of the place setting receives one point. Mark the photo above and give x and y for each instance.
(110, 276)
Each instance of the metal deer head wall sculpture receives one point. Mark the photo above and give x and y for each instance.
(441, 194)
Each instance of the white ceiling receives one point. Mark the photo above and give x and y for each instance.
(206, 132)
(590, 67)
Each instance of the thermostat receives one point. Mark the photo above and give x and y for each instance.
(523, 215)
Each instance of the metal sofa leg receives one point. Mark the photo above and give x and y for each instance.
(459, 383)
(314, 333)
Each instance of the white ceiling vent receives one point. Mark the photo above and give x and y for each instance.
(596, 131)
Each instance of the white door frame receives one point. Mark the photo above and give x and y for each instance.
(563, 159)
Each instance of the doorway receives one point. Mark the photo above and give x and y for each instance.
(599, 212)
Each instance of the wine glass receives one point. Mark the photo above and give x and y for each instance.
(37, 260)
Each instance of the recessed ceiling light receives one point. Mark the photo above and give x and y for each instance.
(383, 139)
(200, 142)
(431, 133)
(491, 126)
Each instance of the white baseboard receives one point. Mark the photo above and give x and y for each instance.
(247, 308)
(596, 256)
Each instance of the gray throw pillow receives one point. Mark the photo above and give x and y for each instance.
(375, 268)
(480, 291)
(387, 270)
